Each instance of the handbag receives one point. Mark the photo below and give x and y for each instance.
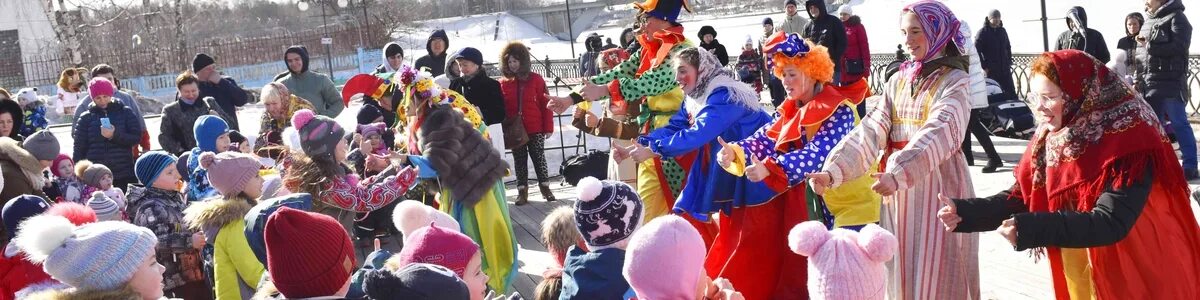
(854, 67)
(514, 130)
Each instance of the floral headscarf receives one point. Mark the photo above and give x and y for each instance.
(940, 27)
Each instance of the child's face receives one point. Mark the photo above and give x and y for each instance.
(342, 150)
(65, 169)
(223, 142)
(475, 278)
(253, 187)
(168, 179)
(106, 182)
(147, 281)
(244, 147)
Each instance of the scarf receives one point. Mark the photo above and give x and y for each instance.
(657, 48)
(712, 76)
(940, 27)
(799, 121)
(1108, 138)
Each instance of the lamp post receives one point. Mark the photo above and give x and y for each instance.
(325, 40)
(570, 29)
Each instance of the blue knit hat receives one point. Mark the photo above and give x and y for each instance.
(20, 208)
(607, 212)
(100, 256)
(150, 164)
(206, 131)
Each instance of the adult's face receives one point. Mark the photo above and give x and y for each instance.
(1132, 27)
(844, 16)
(395, 61)
(797, 85)
(295, 62)
(914, 36)
(768, 29)
(1153, 5)
(994, 21)
(111, 78)
(708, 38)
(791, 9)
(102, 101)
(275, 107)
(514, 65)
(685, 75)
(467, 67)
(6, 124)
(1049, 101)
(206, 72)
(438, 46)
(189, 91)
(655, 25)
(814, 12)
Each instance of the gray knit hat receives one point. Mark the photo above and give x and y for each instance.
(106, 208)
(319, 135)
(91, 173)
(42, 145)
(100, 256)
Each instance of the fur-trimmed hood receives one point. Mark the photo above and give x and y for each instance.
(69, 293)
(11, 150)
(18, 114)
(519, 51)
(215, 213)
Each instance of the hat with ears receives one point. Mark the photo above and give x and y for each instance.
(842, 262)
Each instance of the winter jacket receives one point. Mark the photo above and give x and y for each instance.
(793, 24)
(995, 51)
(344, 196)
(594, 275)
(119, 96)
(826, 30)
(69, 189)
(22, 172)
(534, 114)
(235, 269)
(14, 109)
(435, 63)
(749, 69)
(17, 272)
(112, 152)
(1090, 40)
(315, 87)
(483, 92)
(717, 49)
(35, 118)
(229, 97)
(385, 67)
(270, 132)
(175, 131)
(1164, 59)
(978, 90)
(857, 48)
(161, 211)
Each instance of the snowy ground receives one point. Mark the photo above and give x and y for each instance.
(879, 16)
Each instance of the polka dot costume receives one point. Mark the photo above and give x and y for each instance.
(797, 162)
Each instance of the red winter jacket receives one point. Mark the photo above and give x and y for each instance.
(857, 47)
(16, 273)
(536, 117)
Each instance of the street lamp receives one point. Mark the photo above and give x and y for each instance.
(325, 40)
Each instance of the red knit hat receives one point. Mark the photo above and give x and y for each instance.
(439, 246)
(308, 254)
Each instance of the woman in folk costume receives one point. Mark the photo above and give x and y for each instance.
(447, 139)
(812, 120)
(918, 123)
(1098, 191)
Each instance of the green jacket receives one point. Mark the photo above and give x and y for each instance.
(318, 89)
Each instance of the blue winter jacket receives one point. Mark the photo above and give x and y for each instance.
(115, 153)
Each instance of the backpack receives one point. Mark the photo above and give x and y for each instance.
(594, 163)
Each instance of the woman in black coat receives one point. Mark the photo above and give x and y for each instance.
(708, 41)
(995, 53)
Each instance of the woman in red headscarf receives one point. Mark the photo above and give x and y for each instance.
(1099, 190)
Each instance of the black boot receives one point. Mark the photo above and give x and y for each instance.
(546, 192)
(522, 195)
(992, 165)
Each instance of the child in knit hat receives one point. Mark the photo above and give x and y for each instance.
(98, 177)
(559, 234)
(410, 216)
(309, 255)
(842, 263)
(212, 135)
(416, 281)
(103, 260)
(238, 142)
(157, 204)
(235, 176)
(106, 209)
(606, 215)
(78, 214)
(455, 251)
(15, 267)
(66, 185)
(665, 260)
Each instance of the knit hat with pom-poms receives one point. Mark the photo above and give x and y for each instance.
(229, 172)
(78, 214)
(100, 256)
(319, 135)
(91, 173)
(409, 216)
(607, 212)
(106, 209)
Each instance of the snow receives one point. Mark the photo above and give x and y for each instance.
(879, 16)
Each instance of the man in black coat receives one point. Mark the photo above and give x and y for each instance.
(436, 46)
(1163, 54)
(826, 30)
(995, 53)
(477, 87)
(223, 89)
(1079, 37)
(708, 41)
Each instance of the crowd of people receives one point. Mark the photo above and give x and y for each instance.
(711, 192)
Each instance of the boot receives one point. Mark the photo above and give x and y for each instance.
(546, 193)
(522, 195)
(992, 165)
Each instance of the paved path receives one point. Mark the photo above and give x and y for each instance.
(1005, 274)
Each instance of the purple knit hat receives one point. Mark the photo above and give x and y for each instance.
(229, 172)
(100, 86)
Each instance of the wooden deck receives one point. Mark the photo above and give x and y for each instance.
(527, 226)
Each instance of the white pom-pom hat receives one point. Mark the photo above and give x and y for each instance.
(100, 256)
(607, 212)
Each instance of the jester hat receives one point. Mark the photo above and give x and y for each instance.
(789, 50)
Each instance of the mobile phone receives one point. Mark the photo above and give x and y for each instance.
(105, 122)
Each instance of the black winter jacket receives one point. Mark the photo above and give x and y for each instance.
(115, 153)
(229, 97)
(1093, 43)
(826, 30)
(717, 49)
(484, 92)
(175, 131)
(995, 51)
(1165, 56)
(435, 63)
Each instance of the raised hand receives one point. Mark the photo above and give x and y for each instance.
(949, 213)
(819, 181)
(619, 153)
(885, 184)
(757, 171)
(593, 92)
(558, 104)
(640, 153)
(726, 155)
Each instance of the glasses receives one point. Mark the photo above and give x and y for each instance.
(1042, 100)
